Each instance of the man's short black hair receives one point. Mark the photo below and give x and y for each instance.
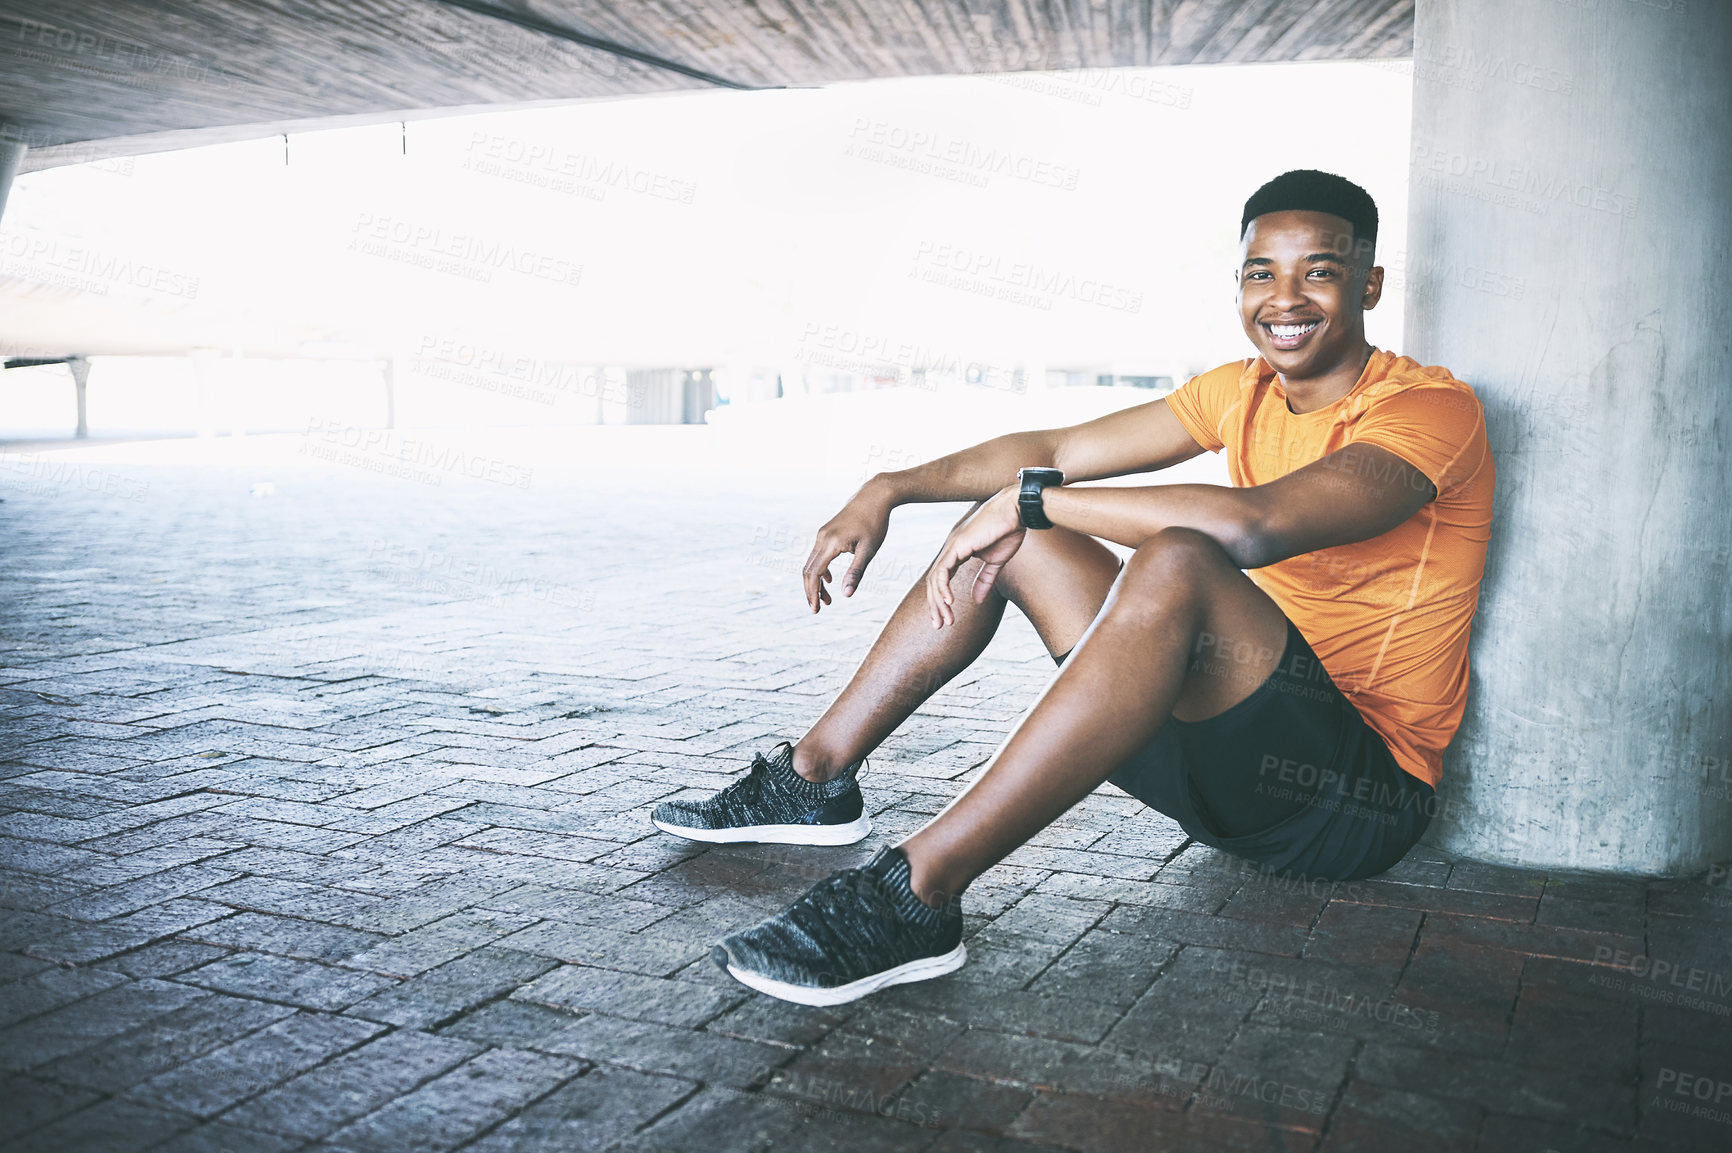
(1308, 190)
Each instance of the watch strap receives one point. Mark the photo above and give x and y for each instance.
(1030, 505)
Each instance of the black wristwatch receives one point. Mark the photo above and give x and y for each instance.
(1028, 501)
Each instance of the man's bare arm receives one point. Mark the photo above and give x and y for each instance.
(1353, 494)
(1140, 439)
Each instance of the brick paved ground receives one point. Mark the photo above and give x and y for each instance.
(323, 823)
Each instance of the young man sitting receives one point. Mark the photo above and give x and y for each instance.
(1277, 666)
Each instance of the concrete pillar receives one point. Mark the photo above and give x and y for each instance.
(654, 396)
(1568, 232)
(11, 154)
(697, 395)
(389, 372)
(204, 367)
(236, 391)
(80, 366)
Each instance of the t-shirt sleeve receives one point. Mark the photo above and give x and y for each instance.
(1203, 403)
(1438, 429)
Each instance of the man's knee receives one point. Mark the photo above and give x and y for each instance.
(1176, 554)
(1050, 555)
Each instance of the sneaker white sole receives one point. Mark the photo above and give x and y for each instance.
(856, 830)
(922, 970)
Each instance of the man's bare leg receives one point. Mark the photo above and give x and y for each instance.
(1132, 669)
(1058, 578)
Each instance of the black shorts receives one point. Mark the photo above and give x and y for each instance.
(1291, 778)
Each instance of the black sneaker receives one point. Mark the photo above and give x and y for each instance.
(849, 935)
(773, 803)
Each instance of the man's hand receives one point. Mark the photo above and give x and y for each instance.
(859, 529)
(993, 532)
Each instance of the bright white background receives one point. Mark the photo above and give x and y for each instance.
(747, 231)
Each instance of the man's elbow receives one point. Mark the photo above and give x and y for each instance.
(1254, 541)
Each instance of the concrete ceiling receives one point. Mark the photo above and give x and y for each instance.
(85, 79)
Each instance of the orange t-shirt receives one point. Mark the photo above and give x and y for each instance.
(1389, 616)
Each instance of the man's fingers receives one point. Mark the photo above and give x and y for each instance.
(935, 578)
(983, 581)
(864, 551)
(939, 585)
(817, 570)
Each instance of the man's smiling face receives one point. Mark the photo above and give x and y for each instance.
(1304, 286)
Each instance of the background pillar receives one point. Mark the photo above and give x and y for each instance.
(80, 366)
(10, 154)
(1569, 232)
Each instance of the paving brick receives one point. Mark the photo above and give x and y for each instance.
(554, 904)
(848, 1071)
(148, 862)
(778, 1022)
(324, 1099)
(56, 860)
(27, 1103)
(88, 1021)
(580, 988)
(459, 1105)
(435, 943)
(963, 1141)
(1006, 1010)
(427, 903)
(1042, 1063)
(1372, 1120)
(111, 1126)
(212, 1083)
(142, 892)
(753, 1123)
(289, 898)
(1007, 960)
(1557, 1029)
(651, 1048)
(1111, 968)
(655, 956)
(1548, 1094)
(455, 987)
(590, 1112)
(1279, 1076)
(1499, 1132)
(1197, 929)
(287, 865)
(163, 1043)
(943, 1100)
(509, 1024)
(162, 959)
(850, 1132)
(1461, 902)
(1355, 934)
(49, 988)
(222, 1137)
(1127, 1125)
(285, 936)
(1190, 1011)
(30, 892)
(290, 982)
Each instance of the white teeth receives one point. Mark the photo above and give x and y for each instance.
(1288, 331)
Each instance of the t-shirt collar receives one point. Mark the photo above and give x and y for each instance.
(1376, 366)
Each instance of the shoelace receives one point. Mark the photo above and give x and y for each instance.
(749, 787)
